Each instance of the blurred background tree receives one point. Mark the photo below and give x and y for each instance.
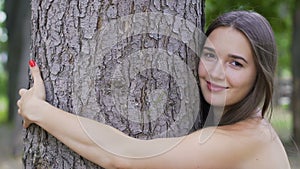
(15, 51)
(296, 72)
(18, 26)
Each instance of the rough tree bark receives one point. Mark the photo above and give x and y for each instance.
(109, 83)
(296, 74)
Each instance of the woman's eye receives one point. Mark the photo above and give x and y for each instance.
(209, 56)
(236, 64)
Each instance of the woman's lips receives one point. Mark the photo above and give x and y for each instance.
(214, 87)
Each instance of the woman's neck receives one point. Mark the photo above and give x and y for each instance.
(218, 113)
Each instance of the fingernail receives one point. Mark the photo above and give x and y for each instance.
(31, 63)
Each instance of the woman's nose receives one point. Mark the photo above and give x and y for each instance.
(217, 71)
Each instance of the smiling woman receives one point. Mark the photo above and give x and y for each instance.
(256, 44)
(227, 70)
(236, 72)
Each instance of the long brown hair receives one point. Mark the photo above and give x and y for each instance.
(261, 37)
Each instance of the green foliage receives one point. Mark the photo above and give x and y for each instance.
(3, 95)
(3, 31)
(3, 73)
(3, 109)
(277, 12)
(3, 81)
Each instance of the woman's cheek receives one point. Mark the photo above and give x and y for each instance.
(201, 70)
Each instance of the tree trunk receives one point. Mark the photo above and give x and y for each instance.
(296, 74)
(129, 64)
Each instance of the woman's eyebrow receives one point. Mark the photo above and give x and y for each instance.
(238, 57)
(209, 48)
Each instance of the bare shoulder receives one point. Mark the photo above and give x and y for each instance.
(249, 144)
(260, 144)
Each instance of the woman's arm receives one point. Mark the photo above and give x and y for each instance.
(67, 128)
(97, 142)
(100, 143)
(111, 148)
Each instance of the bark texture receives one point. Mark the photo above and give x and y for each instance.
(113, 83)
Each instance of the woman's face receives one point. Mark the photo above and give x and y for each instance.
(227, 70)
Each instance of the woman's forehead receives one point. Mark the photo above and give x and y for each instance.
(229, 40)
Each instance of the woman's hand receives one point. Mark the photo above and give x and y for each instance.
(28, 103)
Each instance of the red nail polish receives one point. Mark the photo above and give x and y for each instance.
(31, 63)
